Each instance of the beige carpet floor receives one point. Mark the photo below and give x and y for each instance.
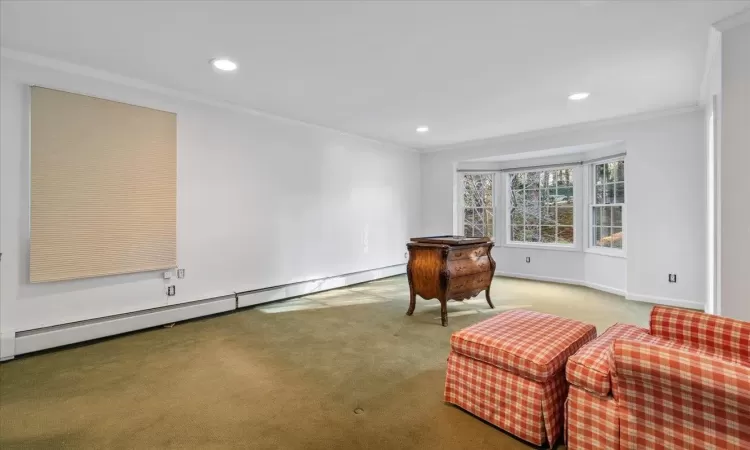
(344, 369)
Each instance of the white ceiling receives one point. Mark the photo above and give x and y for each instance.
(468, 70)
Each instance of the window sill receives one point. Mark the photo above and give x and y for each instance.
(533, 246)
(605, 252)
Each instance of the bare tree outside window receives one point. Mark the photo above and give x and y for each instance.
(479, 208)
(541, 207)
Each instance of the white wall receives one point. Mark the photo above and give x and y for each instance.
(262, 201)
(666, 196)
(547, 265)
(606, 273)
(603, 272)
(734, 180)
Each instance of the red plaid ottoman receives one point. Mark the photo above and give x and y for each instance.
(510, 371)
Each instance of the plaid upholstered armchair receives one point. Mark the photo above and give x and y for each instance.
(682, 384)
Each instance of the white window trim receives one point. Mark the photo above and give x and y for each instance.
(543, 245)
(576, 246)
(460, 209)
(603, 251)
(590, 187)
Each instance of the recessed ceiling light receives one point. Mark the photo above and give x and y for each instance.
(224, 64)
(579, 96)
(423, 129)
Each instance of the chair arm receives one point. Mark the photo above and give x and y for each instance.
(724, 337)
(695, 375)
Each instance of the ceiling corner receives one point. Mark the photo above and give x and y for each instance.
(733, 21)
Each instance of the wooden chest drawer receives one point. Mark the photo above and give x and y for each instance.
(470, 284)
(462, 267)
(466, 253)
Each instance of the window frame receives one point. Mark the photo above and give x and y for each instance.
(462, 206)
(590, 205)
(506, 220)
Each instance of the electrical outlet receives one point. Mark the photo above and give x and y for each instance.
(167, 275)
(673, 278)
(180, 273)
(406, 255)
(170, 291)
(528, 259)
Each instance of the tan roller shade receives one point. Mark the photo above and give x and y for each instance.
(103, 187)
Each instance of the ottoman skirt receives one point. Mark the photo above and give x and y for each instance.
(531, 410)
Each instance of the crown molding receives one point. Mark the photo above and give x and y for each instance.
(102, 75)
(714, 46)
(580, 126)
(735, 20)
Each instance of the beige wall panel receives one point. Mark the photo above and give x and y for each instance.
(103, 187)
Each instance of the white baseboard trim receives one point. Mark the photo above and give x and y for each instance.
(597, 286)
(271, 294)
(7, 345)
(43, 338)
(526, 276)
(603, 288)
(72, 333)
(666, 301)
(56, 336)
